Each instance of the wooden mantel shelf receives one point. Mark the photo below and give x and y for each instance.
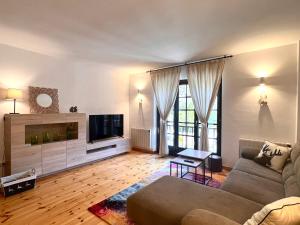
(51, 116)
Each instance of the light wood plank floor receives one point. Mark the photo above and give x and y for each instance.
(64, 198)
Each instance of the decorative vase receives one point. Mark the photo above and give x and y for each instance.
(34, 140)
(46, 137)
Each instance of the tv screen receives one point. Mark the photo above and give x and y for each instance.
(105, 126)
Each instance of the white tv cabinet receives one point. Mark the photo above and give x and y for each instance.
(106, 148)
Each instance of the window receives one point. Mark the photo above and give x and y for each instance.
(186, 118)
(183, 127)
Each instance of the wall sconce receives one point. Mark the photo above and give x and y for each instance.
(140, 96)
(263, 92)
(13, 94)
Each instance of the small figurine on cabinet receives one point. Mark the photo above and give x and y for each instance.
(73, 109)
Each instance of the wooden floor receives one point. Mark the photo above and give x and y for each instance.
(64, 198)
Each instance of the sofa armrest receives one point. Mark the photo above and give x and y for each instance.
(205, 217)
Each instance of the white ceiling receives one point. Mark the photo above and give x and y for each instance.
(147, 33)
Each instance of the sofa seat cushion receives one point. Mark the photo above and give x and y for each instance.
(249, 166)
(167, 200)
(253, 187)
(204, 217)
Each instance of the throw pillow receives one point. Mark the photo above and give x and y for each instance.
(273, 156)
(281, 212)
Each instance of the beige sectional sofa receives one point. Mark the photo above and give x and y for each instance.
(249, 186)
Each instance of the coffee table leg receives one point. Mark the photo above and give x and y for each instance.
(210, 169)
(181, 171)
(176, 169)
(195, 176)
(187, 169)
(170, 169)
(204, 172)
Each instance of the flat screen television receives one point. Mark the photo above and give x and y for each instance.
(105, 126)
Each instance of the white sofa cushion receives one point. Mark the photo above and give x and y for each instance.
(281, 212)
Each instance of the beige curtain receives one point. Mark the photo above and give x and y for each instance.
(165, 85)
(204, 81)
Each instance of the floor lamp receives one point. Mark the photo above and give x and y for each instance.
(14, 94)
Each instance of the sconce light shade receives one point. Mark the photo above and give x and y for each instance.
(13, 93)
(140, 96)
(263, 92)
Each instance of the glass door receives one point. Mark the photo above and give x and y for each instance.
(183, 127)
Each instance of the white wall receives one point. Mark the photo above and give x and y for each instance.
(142, 115)
(93, 87)
(242, 116)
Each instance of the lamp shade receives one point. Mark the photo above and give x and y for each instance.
(13, 93)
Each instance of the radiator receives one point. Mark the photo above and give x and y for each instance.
(141, 139)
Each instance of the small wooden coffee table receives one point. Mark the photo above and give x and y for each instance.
(192, 158)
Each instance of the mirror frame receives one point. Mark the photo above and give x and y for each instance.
(34, 92)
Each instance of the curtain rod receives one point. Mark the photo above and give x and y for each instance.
(193, 62)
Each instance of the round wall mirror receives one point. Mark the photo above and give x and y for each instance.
(44, 100)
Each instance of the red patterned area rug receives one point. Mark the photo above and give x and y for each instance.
(113, 209)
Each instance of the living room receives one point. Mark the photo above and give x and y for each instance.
(100, 101)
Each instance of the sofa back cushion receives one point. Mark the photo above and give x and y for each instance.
(291, 173)
(288, 171)
(297, 170)
(295, 152)
(291, 187)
